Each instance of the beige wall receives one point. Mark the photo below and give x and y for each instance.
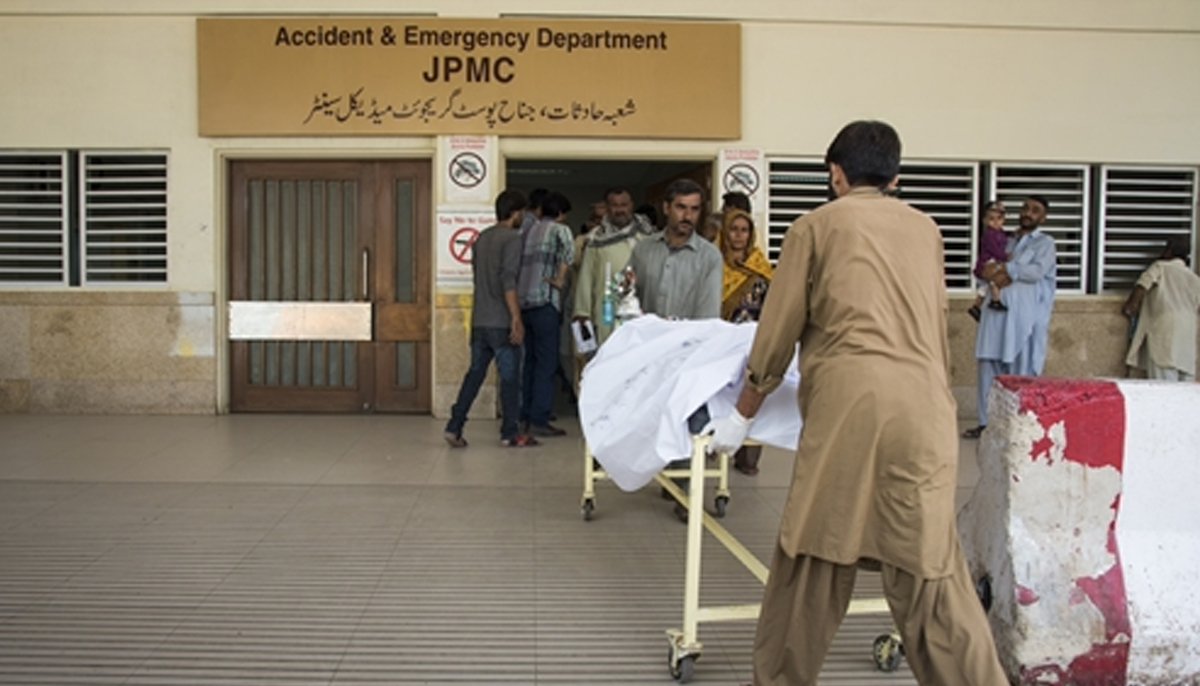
(1025, 80)
(85, 352)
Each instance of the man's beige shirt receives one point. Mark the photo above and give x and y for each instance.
(1167, 322)
(860, 285)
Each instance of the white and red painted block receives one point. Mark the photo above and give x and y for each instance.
(1086, 520)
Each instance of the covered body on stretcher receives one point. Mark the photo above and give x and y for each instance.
(652, 374)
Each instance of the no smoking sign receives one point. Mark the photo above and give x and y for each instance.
(467, 170)
(457, 230)
(460, 243)
(741, 178)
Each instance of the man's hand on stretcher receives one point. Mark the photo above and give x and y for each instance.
(729, 432)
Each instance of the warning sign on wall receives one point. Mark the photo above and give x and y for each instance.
(457, 229)
(744, 170)
(466, 177)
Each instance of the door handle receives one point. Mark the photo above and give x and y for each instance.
(366, 271)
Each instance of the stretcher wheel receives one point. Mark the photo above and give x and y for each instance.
(887, 651)
(589, 506)
(682, 670)
(720, 505)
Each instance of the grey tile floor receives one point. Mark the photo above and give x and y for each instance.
(286, 549)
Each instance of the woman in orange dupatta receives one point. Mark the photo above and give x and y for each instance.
(744, 280)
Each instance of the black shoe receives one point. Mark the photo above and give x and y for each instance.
(974, 312)
(997, 305)
(974, 433)
(681, 512)
(546, 430)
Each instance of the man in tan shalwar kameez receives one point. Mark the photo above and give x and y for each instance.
(860, 285)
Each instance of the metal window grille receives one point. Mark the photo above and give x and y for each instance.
(1066, 188)
(124, 217)
(33, 219)
(794, 188)
(946, 191)
(1140, 207)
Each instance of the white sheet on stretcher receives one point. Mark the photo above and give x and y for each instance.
(651, 374)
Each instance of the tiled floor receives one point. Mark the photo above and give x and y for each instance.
(284, 549)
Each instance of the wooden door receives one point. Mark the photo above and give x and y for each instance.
(312, 244)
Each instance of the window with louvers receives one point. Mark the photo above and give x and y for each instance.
(33, 219)
(1066, 188)
(794, 188)
(124, 223)
(1140, 208)
(947, 192)
(944, 190)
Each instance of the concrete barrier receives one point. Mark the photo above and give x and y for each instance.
(1086, 525)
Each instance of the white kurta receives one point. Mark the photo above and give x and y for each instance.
(1167, 323)
(1023, 328)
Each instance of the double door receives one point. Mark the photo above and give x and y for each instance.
(330, 302)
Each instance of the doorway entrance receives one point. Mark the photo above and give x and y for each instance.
(584, 181)
(330, 259)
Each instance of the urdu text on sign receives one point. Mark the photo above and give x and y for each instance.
(396, 75)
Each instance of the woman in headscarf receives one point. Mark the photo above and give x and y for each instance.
(744, 280)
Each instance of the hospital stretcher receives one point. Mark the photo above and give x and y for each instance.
(685, 648)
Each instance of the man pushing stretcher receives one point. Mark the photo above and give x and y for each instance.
(860, 285)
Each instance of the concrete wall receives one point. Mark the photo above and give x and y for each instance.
(1075, 80)
(1083, 520)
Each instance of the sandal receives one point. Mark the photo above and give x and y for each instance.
(455, 440)
(975, 312)
(974, 433)
(519, 441)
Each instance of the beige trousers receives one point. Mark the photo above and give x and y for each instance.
(947, 641)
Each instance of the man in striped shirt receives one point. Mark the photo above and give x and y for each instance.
(547, 253)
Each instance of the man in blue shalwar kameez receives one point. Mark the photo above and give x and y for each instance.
(1013, 341)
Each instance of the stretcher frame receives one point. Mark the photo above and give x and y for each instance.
(685, 648)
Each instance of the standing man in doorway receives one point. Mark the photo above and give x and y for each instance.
(1013, 340)
(860, 285)
(608, 249)
(547, 253)
(496, 328)
(678, 275)
(679, 272)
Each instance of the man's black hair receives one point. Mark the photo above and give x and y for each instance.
(1042, 199)
(737, 200)
(508, 202)
(1181, 247)
(868, 153)
(682, 187)
(616, 190)
(536, 196)
(554, 204)
(647, 210)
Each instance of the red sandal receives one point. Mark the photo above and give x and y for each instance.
(520, 441)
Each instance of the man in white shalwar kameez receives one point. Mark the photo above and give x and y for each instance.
(1165, 300)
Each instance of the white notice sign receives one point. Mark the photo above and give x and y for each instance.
(467, 175)
(457, 229)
